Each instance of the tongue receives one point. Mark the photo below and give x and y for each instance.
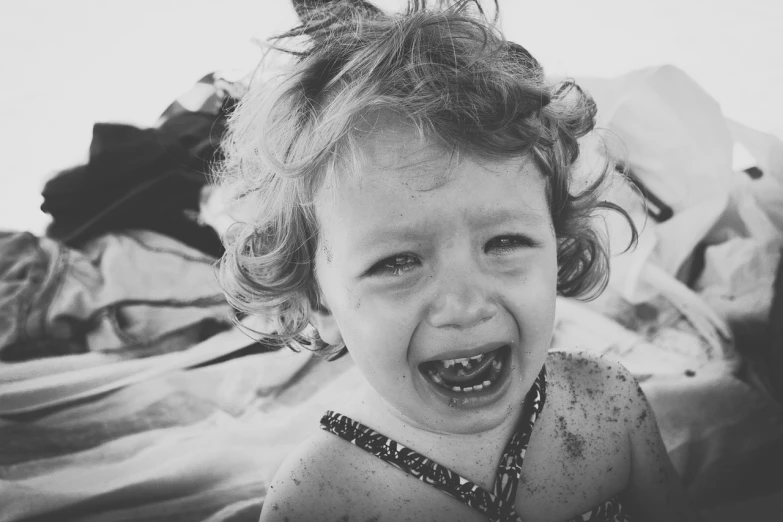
(459, 374)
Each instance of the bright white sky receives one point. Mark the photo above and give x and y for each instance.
(67, 64)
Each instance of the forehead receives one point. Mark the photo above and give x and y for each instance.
(395, 146)
(402, 180)
(399, 153)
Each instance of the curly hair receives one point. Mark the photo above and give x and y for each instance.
(446, 70)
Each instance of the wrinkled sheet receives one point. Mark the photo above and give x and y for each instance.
(204, 443)
(134, 293)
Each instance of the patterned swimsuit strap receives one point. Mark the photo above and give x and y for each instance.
(498, 505)
(510, 468)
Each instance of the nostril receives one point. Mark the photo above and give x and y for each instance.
(461, 299)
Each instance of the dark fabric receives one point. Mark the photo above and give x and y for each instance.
(138, 178)
(147, 178)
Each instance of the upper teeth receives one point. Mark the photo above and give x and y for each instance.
(464, 361)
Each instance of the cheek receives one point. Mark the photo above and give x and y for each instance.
(534, 298)
(334, 285)
(377, 335)
(549, 302)
(374, 324)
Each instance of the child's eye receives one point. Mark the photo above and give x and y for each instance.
(507, 244)
(394, 265)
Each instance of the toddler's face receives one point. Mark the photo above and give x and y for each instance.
(440, 276)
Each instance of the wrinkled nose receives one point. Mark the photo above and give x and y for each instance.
(461, 301)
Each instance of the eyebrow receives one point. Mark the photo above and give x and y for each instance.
(481, 218)
(486, 217)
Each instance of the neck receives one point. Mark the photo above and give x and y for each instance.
(475, 456)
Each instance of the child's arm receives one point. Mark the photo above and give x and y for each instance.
(309, 484)
(654, 492)
(290, 496)
(327, 478)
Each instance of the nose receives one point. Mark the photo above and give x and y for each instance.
(462, 299)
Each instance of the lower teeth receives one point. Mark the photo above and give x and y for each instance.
(493, 374)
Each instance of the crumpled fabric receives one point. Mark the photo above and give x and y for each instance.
(189, 445)
(148, 178)
(203, 444)
(677, 142)
(136, 289)
(723, 241)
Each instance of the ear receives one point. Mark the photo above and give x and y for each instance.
(323, 321)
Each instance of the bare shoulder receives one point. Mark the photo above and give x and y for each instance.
(328, 478)
(598, 400)
(589, 369)
(603, 390)
(302, 488)
(579, 453)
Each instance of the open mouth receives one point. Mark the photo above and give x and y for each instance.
(470, 375)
